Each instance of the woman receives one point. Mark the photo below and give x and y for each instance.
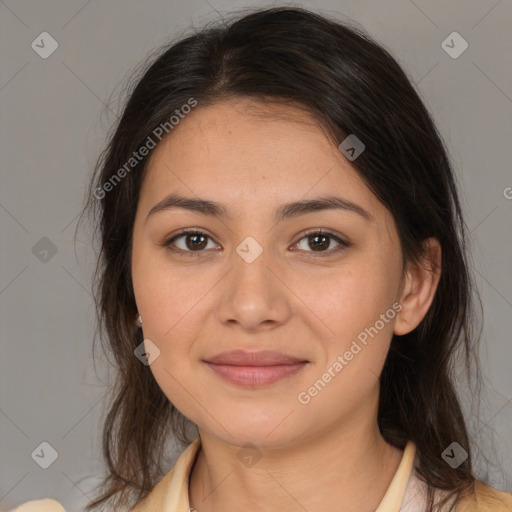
(284, 271)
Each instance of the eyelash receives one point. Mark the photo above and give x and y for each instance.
(194, 231)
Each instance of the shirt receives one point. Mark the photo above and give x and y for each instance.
(406, 492)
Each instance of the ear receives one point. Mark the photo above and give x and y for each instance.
(419, 287)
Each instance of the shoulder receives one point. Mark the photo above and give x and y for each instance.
(46, 505)
(486, 499)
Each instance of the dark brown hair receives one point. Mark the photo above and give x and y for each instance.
(351, 85)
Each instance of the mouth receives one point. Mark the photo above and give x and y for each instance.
(255, 376)
(254, 369)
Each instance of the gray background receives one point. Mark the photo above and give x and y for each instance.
(54, 122)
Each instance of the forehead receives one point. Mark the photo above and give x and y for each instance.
(243, 152)
(225, 133)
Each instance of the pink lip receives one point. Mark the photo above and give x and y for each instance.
(254, 376)
(255, 369)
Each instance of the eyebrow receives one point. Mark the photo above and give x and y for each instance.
(285, 211)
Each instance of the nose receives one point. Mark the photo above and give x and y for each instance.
(252, 295)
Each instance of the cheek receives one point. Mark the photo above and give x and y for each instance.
(353, 320)
(346, 300)
(361, 315)
(173, 313)
(169, 297)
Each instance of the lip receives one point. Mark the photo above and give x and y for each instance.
(260, 358)
(255, 369)
(256, 376)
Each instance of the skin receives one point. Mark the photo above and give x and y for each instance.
(254, 157)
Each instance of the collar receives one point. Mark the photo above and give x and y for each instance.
(171, 493)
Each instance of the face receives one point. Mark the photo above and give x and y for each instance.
(254, 281)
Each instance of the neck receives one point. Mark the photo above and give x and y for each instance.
(343, 468)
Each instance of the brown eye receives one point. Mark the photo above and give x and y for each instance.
(320, 241)
(194, 241)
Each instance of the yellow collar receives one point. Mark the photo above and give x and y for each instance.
(171, 493)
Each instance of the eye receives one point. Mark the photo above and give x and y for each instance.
(196, 240)
(319, 240)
